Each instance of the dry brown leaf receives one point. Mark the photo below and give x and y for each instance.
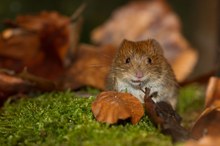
(37, 41)
(90, 67)
(184, 63)
(162, 115)
(51, 29)
(205, 141)
(213, 91)
(208, 122)
(110, 107)
(21, 84)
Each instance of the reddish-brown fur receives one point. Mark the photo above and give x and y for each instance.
(145, 57)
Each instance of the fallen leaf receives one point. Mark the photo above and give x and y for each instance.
(22, 83)
(213, 91)
(39, 41)
(90, 67)
(110, 107)
(41, 84)
(205, 141)
(162, 115)
(208, 122)
(184, 63)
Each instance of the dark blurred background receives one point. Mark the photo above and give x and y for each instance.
(200, 20)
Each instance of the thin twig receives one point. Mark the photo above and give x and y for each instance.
(78, 12)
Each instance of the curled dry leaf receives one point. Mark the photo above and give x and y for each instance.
(208, 122)
(90, 67)
(205, 141)
(22, 83)
(38, 41)
(110, 107)
(163, 115)
(213, 91)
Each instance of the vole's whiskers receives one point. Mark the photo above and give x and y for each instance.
(141, 88)
(97, 66)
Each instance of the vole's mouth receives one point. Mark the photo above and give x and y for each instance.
(136, 81)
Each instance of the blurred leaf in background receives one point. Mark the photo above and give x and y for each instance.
(96, 12)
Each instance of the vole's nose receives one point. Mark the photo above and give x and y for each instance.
(139, 74)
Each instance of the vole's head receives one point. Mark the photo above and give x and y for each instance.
(139, 62)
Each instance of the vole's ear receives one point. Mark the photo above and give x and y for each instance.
(125, 42)
(125, 45)
(155, 46)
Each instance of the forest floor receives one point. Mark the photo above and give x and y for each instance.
(65, 118)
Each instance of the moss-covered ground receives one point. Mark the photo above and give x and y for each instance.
(63, 119)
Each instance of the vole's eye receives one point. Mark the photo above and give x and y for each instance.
(149, 60)
(127, 60)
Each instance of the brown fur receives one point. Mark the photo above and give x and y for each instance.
(158, 70)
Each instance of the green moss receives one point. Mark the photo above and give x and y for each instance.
(191, 98)
(190, 103)
(63, 119)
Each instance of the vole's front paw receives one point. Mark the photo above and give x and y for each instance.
(154, 95)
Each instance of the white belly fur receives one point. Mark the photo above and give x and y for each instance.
(123, 86)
